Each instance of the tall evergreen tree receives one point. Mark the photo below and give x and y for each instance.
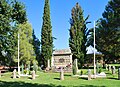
(108, 32)
(36, 47)
(78, 34)
(46, 35)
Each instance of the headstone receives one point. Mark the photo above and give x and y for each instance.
(106, 66)
(0, 73)
(14, 74)
(48, 63)
(33, 74)
(76, 64)
(61, 74)
(89, 74)
(113, 69)
(119, 73)
(109, 68)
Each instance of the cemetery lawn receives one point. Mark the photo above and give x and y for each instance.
(52, 80)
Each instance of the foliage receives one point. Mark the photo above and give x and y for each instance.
(9, 11)
(108, 32)
(46, 35)
(26, 48)
(78, 34)
(36, 47)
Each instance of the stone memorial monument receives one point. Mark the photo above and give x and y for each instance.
(62, 58)
(89, 74)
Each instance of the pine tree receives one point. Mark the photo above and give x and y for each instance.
(78, 34)
(108, 32)
(46, 35)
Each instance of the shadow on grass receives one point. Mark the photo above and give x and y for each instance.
(67, 75)
(57, 78)
(112, 78)
(83, 78)
(23, 84)
(88, 86)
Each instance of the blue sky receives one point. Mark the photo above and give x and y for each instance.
(60, 14)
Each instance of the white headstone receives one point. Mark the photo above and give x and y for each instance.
(89, 74)
(33, 74)
(14, 74)
(61, 74)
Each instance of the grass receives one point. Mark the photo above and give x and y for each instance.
(52, 80)
(114, 64)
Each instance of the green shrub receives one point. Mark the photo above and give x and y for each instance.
(25, 71)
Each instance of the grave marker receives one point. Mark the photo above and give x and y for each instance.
(89, 74)
(33, 74)
(119, 73)
(14, 74)
(61, 74)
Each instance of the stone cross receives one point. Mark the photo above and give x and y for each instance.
(33, 74)
(61, 74)
(89, 74)
(119, 73)
(14, 74)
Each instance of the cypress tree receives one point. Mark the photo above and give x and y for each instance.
(36, 47)
(78, 34)
(46, 35)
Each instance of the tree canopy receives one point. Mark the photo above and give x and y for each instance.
(46, 35)
(78, 34)
(108, 32)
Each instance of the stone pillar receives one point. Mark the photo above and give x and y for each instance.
(52, 61)
(119, 73)
(76, 64)
(48, 63)
(0, 73)
(106, 66)
(113, 69)
(89, 74)
(14, 74)
(33, 74)
(61, 74)
(109, 68)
